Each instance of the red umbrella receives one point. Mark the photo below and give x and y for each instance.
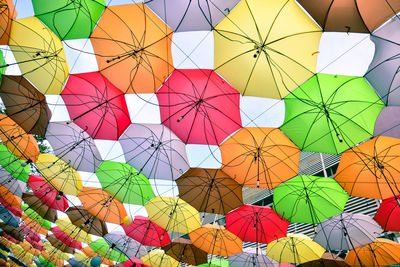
(388, 214)
(132, 262)
(256, 224)
(50, 196)
(199, 106)
(147, 232)
(96, 105)
(38, 245)
(65, 238)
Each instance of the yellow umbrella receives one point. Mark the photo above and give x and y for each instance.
(20, 252)
(59, 174)
(295, 248)
(82, 258)
(73, 231)
(55, 251)
(158, 258)
(173, 214)
(39, 54)
(266, 47)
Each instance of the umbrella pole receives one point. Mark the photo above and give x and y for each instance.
(346, 234)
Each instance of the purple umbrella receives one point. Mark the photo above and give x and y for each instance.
(388, 122)
(124, 244)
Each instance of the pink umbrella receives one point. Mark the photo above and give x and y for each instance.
(133, 262)
(66, 239)
(30, 233)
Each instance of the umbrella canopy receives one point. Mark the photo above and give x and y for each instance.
(216, 240)
(38, 228)
(260, 157)
(69, 240)
(349, 15)
(250, 258)
(382, 252)
(13, 185)
(36, 217)
(102, 205)
(132, 262)
(75, 232)
(137, 56)
(124, 182)
(13, 165)
(155, 151)
(68, 19)
(8, 217)
(371, 169)
(187, 15)
(210, 190)
(88, 251)
(59, 174)
(72, 144)
(295, 248)
(347, 231)
(183, 250)
(81, 218)
(15, 232)
(157, 257)
(101, 247)
(57, 243)
(388, 214)
(55, 252)
(215, 262)
(309, 199)
(325, 263)
(48, 194)
(383, 73)
(146, 232)
(39, 206)
(199, 106)
(25, 104)
(129, 247)
(173, 214)
(96, 105)
(331, 113)
(256, 224)
(7, 14)
(9, 198)
(272, 47)
(388, 122)
(39, 54)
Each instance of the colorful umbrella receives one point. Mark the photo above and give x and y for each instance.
(81, 218)
(8, 13)
(88, 251)
(39, 206)
(388, 122)
(157, 257)
(251, 258)
(59, 244)
(324, 262)
(124, 244)
(183, 250)
(13, 165)
(13, 185)
(101, 247)
(75, 232)
(388, 214)
(8, 217)
(216, 262)
(67, 239)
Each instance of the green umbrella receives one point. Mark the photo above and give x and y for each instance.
(44, 262)
(36, 217)
(124, 182)
(69, 19)
(13, 165)
(216, 262)
(331, 113)
(101, 247)
(309, 199)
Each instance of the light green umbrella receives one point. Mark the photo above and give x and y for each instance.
(13, 165)
(124, 182)
(216, 262)
(309, 199)
(331, 113)
(101, 247)
(69, 19)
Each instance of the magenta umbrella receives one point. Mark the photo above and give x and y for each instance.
(199, 106)
(146, 232)
(256, 224)
(65, 238)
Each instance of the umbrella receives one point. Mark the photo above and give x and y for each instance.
(256, 224)
(216, 240)
(39, 206)
(331, 113)
(7, 14)
(129, 247)
(382, 252)
(75, 232)
(7, 197)
(68, 19)
(383, 72)
(36, 227)
(202, 15)
(132, 262)
(73, 262)
(13, 185)
(157, 257)
(96, 105)
(173, 214)
(67, 239)
(272, 47)
(309, 199)
(39, 54)
(388, 214)
(55, 252)
(86, 221)
(325, 263)
(250, 258)
(347, 231)
(36, 217)
(15, 232)
(295, 248)
(155, 151)
(102, 205)
(371, 169)
(25, 104)
(88, 251)
(13, 165)
(388, 122)
(57, 243)
(124, 182)
(146, 232)
(216, 262)
(8, 217)
(72, 144)
(210, 190)
(349, 15)
(59, 174)
(137, 57)
(101, 247)
(260, 157)
(183, 250)
(199, 106)
(46, 193)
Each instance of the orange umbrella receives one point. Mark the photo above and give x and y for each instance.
(133, 48)
(260, 157)
(7, 13)
(51, 257)
(21, 144)
(29, 248)
(90, 253)
(216, 240)
(372, 169)
(101, 204)
(382, 252)
(9, 197)
(34, 225)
